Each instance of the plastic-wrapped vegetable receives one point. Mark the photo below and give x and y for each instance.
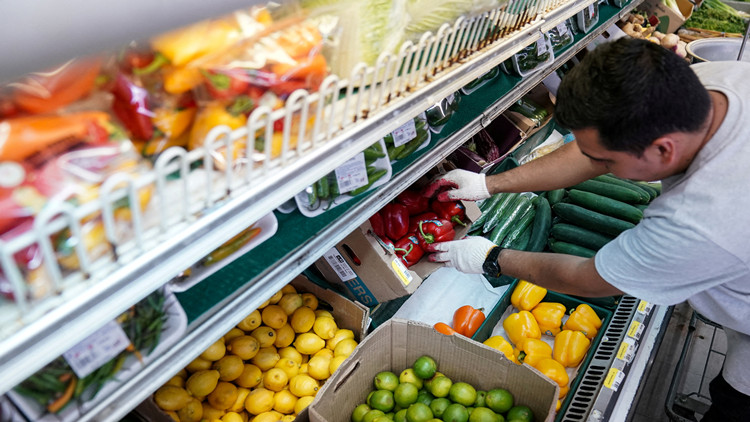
(560, 36)
(534, 57)
(588, 17)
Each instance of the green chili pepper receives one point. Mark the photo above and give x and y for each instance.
(312, 197)
(412, 146)
(323, 188)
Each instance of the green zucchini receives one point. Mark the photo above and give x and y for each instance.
(495, 215)
(504, 227)
(604, 205)
(521, 224)
(614, 180)
(541, 225)
(579, 236)
(555, 195)
(570, 249)
(611, 190)
(591, 220)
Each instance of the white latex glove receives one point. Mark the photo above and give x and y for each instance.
(468, 185)
(466, 255)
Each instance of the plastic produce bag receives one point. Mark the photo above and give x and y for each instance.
(560, 36)
(429, 15)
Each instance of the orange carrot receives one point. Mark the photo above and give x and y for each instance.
(65, 85)
(314, 67)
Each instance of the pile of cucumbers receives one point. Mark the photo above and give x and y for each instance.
(515, 220)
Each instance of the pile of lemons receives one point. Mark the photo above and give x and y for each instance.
(268, 368)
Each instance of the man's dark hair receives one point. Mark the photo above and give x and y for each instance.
(633, 92)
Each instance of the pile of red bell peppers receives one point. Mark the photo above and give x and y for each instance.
(412, 221)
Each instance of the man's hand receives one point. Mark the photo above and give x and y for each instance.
(467, 185)
(466, 255)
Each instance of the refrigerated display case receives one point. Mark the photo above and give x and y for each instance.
(36, 333)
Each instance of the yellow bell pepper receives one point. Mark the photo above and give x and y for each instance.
(563, 391)
(501, 344)
(570, 348)
(521, 325)
(553, 370)
(197, 40)
(584, 319)
(549, 316)
(527, 295)
(178, 80)
(531, 350)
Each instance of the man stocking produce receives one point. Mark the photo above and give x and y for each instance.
(640, 112)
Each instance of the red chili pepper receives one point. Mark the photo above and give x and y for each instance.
(466, 320)
(414, 201)
(130, 105)
(451, 210)
(435, 231)
(395, 220)
(409, 250)
(414, 221)
(378, 227)
(225, 84)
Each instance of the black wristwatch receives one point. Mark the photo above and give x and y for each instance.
(490, 266)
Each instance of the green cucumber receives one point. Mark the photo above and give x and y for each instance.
(656, 186)
(503, 228)
(541, 225)
(604, 205)
(610, 190)
(618, 181)
(522, 242)
(518, 227)
(579, 236)
(653, 193)
(555, 195)
(570, 249)
(495, 215)
(641, 207)
(591, 220)
(486, 205)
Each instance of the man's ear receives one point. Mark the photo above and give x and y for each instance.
(664, 150)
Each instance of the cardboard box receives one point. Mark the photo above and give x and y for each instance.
(669, 20)
(541, 96)
(370, 273)
(395, 345)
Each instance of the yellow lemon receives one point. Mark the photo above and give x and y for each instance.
(210, 412)
(259, 400)
(274, 316)
(250, 322)
(232, 417)
(341, 334)
(284, 336)
(303, 385)
(266, 336)
(234, 332)
(230, 367)
(289, 418)
(290, 302)
(323, 352)
(198, 364)
(239, 403)
(325, 327)
(317, 367)
(201, 383)
(289, 366)
(276, 297)
(303, 369)
(177, 381)
(288, 289)
(309, 300)
(308, 343)
(284, 401)
(302, 403)
(192, 412)
(335, 363)
(345, 347)
(303, 319)
(275, 379)
(172, 414)
(250, 377)
(264, 304)
(271, 416)
(215, 351)
(246, 347)
(170, 397)
(291, 353)
(266, 358)
(223, 396)
(322, 312)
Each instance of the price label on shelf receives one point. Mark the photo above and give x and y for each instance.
(97, 349)
(636, 330)
(352, 174)
(614, 379)
(405, 133)
(591, 10)
(561, 29)
(626, 353)
(645, 307)
(339, 265)
(541, 46)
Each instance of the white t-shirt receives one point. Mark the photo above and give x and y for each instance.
(694, 241)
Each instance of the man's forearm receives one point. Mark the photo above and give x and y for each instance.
(562, 168)
(566, 274)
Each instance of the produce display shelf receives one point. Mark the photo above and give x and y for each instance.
(217, 303)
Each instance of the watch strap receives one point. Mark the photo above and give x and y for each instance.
(490, 266)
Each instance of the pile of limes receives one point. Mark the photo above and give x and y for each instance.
(422, 394)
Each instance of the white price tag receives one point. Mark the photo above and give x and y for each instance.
(645, 307)
(97, 349)
(541, 46)
(561, 28)
(339, 264)
(591, 10)
(636, 330)
(404, 134)
(614, 379)
(626, 353)
(352, 174)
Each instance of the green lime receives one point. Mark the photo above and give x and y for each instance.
(359, 412)
(425, 367)
(439, 405)
(405, 394)
(482, 414)
(418, 412)
(382, 400)
(425, 397)
(441, 386)
(408, 375)
(385, 380)
(470, 409)
(499, 400)
(383, 418)
(480, 401)
(455, 413)
(369, 396)
(428, 383)
(520, 413)
(372, 414)
(390, 415)
(463, 393)
(400, 416)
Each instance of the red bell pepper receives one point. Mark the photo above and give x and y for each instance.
(414, 221)
(378, 227)
(414, 201)
(130, 105)
(226, 84)
(395, 220)
(408, 249)
(435, 231)
(451, 210)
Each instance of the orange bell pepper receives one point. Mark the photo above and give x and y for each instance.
(531, 350)
(527, 295)
(570, 348)
(467, 319)
(521, 325)
(584, 319)
(549, 316)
